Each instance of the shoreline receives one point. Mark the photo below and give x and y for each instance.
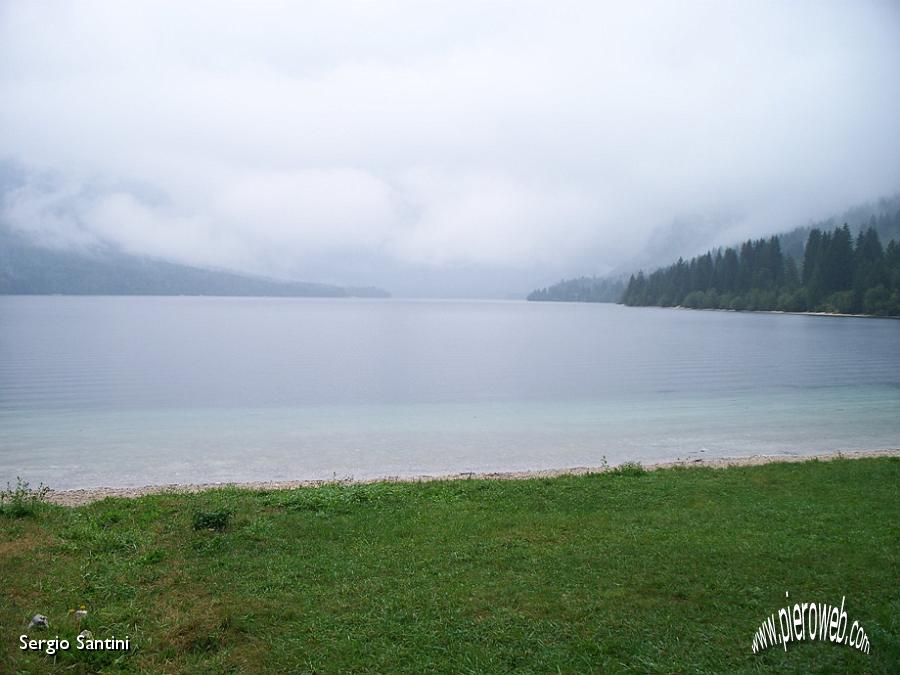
(82, 496)
(785, 312)
(724, 309)
(774, 311)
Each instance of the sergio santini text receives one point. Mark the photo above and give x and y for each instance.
(82, 642)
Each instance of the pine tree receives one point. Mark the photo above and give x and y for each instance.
(839, 260)
(811, 255)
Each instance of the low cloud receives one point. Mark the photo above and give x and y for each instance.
(514, 138)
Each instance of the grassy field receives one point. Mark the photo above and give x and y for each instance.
(669, 571)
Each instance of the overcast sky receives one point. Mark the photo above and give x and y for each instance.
(450, 148)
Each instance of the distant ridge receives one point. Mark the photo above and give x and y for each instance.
(583, 289)
(27, 268)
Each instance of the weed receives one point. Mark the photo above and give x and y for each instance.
(628, 469)
(212, 520)
(22, 500)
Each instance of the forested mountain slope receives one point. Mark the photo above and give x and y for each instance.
(837, 274)
(773, 273)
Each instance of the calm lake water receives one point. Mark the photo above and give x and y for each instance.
(131, 391)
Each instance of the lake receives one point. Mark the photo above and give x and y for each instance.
(127, 391)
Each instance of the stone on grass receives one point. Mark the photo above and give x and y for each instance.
(39, 621)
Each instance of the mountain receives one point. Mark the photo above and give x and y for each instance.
(27, 268)
(882, 216)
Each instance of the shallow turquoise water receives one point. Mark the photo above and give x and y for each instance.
(132, 391)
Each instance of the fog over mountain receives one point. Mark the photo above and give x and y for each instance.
(455, 149)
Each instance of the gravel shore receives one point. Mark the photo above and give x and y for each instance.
(88, 495)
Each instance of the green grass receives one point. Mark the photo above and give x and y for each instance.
(668, 571)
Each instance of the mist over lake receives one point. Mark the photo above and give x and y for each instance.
(134, 391)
